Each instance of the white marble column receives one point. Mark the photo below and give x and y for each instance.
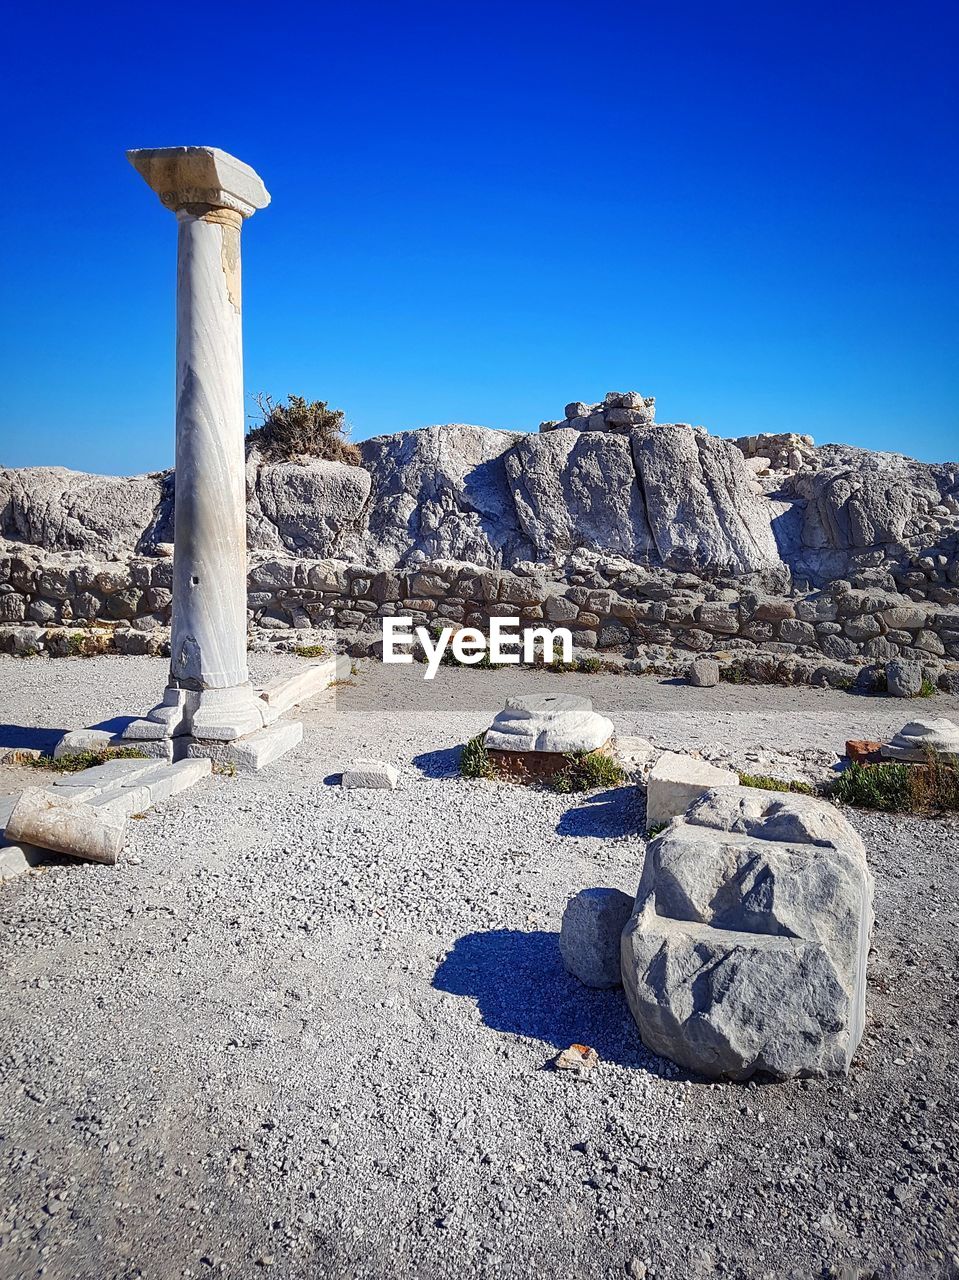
(209, 694)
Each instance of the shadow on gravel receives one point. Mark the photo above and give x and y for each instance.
(521, 987)
(439, 764)
(618, 812)
(27, 737)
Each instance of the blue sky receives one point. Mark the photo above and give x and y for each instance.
(482, 211)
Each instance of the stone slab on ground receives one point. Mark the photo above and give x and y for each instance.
(252, 753)
(747, 948)
(17, 858)
(635, 755)
(288, 691)
(553, 723)
(589, 937)
(375, 774)
(675, 781)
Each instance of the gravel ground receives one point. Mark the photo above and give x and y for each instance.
(305, 1032)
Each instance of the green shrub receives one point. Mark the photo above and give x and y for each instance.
(733, 673)
(84, 759)
(301, 428)
(926, 689)
(590, 666)
(899, 788)
(474, 759)
(586, 771)
(765, 783)
(310, 650)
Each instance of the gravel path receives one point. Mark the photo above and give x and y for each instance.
(302, 1032)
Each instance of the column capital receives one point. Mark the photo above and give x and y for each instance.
(200, 176)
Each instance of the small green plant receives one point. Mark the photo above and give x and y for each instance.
(765, 783)
(733, 673)
(589, 666)
(900, 788)
(301, 428)
(654, 831)
(586, 771)
(926, 689)
(226, 767)
(474, 759)
(84, 759)
(310, 651)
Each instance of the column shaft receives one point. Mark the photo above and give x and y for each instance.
(208, 645)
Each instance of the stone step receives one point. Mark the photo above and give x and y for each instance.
(287, 691)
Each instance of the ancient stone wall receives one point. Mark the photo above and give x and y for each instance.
(622, 612)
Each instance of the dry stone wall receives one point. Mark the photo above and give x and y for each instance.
(640, 618)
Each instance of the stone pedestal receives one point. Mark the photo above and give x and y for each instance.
(209, 696)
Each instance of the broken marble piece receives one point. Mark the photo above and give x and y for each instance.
(675, 781)
(919, 739)
(375, 774)
(589, 937)
(560, 723)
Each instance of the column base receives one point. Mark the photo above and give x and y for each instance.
(216, 715)
(251, 753)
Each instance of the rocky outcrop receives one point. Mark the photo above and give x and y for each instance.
(643, 538)
(747, 947)
(308, 509)
(440, 493)
(62, 510)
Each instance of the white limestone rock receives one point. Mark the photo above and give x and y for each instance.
(704, 673)
(903, 679)
(557, 723)
(917, 739)
(675, 781)
(589, 937)
(441, 493)
(375, 774)
(747, 947)
(573, 490)
(304, 506)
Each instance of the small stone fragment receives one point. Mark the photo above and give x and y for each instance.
(579, 1060)
(863, 751)
(376, 774)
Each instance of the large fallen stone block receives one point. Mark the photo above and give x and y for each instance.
(704, 673)
(675, 781)
(747, 947)
(919, 739)
(62, 822)
(554, 723)
(589, 937)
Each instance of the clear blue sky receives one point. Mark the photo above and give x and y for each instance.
(484, 210)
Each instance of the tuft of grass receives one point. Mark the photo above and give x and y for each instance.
(766, 783)
(338, 684)
(590, 666)
(586, 771)
(894, 787)
(310, 651)
(654, 831)
(302, 428)
(733, 673)
(926, 689)
(84, 759)
(474, 759)
(227, 768)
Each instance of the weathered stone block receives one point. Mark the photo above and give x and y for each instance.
(675, 781)
(589, 937)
